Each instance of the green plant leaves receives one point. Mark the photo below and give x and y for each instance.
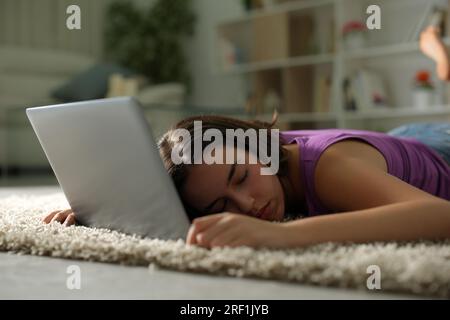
(149, 40)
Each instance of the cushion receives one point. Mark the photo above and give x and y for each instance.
(89, 84)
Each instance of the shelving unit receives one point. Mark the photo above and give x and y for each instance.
(264, 47)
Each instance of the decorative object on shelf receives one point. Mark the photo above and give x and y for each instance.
(148, 39)
(271, 102)
(424, 91)
(227, 54)
(322, 93)
(354, 34)
(369, 90)
(230, 54)
(349, 96)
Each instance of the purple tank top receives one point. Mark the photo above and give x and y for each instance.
(407, 159)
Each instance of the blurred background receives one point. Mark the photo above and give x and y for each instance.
(315, 61)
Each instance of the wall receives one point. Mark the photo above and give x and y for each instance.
(42, 24)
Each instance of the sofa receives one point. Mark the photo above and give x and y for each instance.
(28, 77)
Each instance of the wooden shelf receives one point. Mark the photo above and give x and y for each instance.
(281, 8)
(381, 51)
(375, 114)
(366, 53)
(281, 63)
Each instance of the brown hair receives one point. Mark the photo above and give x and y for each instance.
(178, 172)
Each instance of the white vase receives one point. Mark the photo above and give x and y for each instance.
(355, 41)
(423, 98)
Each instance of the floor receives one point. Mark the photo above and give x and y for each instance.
(33, 277)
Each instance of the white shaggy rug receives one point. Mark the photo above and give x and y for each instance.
(418, 268)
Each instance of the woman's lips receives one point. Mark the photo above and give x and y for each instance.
(264, 212)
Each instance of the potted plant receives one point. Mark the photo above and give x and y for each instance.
(423, 92)
(148, 39)
(354, 34)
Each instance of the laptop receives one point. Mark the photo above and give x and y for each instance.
(107, 163)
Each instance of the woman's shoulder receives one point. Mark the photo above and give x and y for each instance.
(359, 144)
(359, 149)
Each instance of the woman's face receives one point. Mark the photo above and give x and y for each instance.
(236, 188)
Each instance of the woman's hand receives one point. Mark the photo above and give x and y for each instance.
(66, 217)
(233, 230)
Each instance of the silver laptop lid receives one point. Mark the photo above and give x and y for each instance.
(106, 160)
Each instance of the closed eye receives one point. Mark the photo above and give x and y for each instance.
(241, 180)
(222, 208)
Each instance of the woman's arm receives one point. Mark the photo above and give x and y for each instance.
(372, 204)
(411, 220)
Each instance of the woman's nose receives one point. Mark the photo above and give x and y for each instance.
(245, 202)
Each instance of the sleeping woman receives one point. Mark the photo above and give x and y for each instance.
(333, 185)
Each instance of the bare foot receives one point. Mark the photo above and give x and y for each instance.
(432, 46)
